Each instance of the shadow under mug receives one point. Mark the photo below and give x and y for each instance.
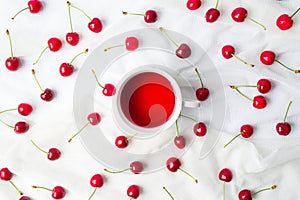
(148, 101)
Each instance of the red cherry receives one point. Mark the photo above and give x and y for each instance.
(94, 118)
(193, 4)
(12, 63)
(133, 191)
(66, 69)
(267, 57)
(108, 89)
(245, 195)
(264, 86)
(54, 44)
(212, 15)
(200, 129)
(201, 93)
(135, 167)
(58, 192)
(53, 154)
(95, 25)
(150, 16)
(47, 95)
(21, 127)
(228, 51)
(259, 102)
(225, 175)
(179, 142)
(25, 109)
(284, 128)
(239, 14)
(121, 142)
(131, 43)
(72, 38)
(183, 51)
(5, 174)
(96, 181)
(284, 22)
(246, 131)
(34, 7)
(25, 198)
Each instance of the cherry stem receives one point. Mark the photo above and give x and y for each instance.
(224, 183)
(217, 4)
(94, 73)
(84, 52)
(10, 44)
(196, 181)
(198, 74)
(295, 13)
(235, 88)
(7, 110)
(121, 45)
(19, 191)
(286, 112)
(19, 13)
(181, 115)
(116, 172)
(3, 122)
(37, 60)
(168, 36)
(80, 10)
(256, 22)
(170, 195)
(293, 70)
(246, 86)
(92, 194)
(40, 187)
(232, 140)
(42, 150)
(270, 188)
(36, 80)
(71, 138)
(130, 137)
(128, 13)
(70, 17)
(177, 129)
(238, 58)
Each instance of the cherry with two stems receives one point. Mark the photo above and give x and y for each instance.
(58, 192)
(71, 37)
(183, 50)
(52, 153)
(285, 22)
(131, 44)
(201, 93)
(108, 89)
(67, 69)
(169, 193)
(240, 14)
(133, 191)
(54, 44)
(284, 128)
(47, 94)
(213, 14)
(12, 63)
(122, 141)
(199, 127)
(95, 24)
(34, 6)
(269, 57)
(135, 167)
(173, 164)
(19, 128)
(23, 109)
(93, 119)
(179, 140)
(193, 4)
(96, 181)
(228, 52)
(225, 175)
(150, 16)
(263, 86)
(258, 101)
(7, 175)
(246, 194)
(246, 131)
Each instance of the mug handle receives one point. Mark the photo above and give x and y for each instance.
(190, 104)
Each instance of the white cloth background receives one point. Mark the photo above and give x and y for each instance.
(260, 161)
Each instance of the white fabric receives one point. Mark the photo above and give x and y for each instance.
(258, 162)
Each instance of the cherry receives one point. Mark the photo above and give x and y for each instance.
(34, 7)
(6, 175)
(212, 14)
(122, 141)
(12, 63)
(258, 102)
(240, 14)
(179, 140)
(135, 167)
(93, 119)
(71, 37)
(108, 89)
(21, 127)
(268, 58)
(284, 128)
(131, 44)
(67, 69)
(133, 191)
(193, 4)
(25, 198)
(54, 44)
(24, 109)
(263, 86)
(173, 164)
(150, 16)
(285, 22)
(183, 50)
(199, 127)
(225, 175)
(96, 182)
(52, 154)
(47, 94)
(228, 52)
(246, 194)
(246, 131)
(58, 192)
(95, 24)
(167, 191)
(201, 93)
